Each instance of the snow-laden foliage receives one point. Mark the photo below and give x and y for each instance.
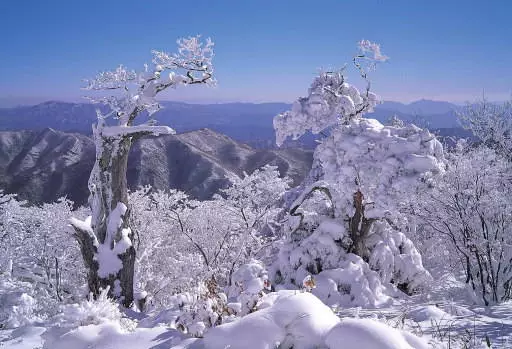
(207, 305)
(342, 277)
(491, 123)
(248, 285)
(256, 196)
(90, 311)
(380, 162)
(200, 240)
(40, 265)
(469, 214)
(36, 246)
(330, 99)
(347, 226)
(19, 305)
(202, 308)
(137, 91)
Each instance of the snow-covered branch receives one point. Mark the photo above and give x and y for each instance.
(135, 92)
(330, 100)
(491, 123)
(138, 130)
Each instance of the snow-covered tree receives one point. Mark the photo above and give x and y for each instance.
(348, 215)
(491, 123)
(36, 247)
(469, 213)
(199, 241)
(40, 266)
(106, 239)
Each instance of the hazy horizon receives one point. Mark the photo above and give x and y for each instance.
(10, 102)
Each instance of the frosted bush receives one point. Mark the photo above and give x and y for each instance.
(320, 248)
(90, 311)
(36, 245)
(465, 221)
(201, 309)
(341, 278)
(18, 305)
(195, 245)
(248, 284)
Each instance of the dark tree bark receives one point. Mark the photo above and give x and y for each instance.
(109, 189)
(359, 228)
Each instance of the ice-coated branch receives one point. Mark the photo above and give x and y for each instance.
(111, 80)
(135, 92)
(491, 123)
(123, 131)
(193, 56)
(330, 100)
(367, 46)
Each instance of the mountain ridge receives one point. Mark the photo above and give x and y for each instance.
(41, 166)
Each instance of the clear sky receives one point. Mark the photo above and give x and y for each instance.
(265, 50)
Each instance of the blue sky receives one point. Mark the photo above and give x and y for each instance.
(265, 50)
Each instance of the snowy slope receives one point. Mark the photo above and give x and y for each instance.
(42, 166)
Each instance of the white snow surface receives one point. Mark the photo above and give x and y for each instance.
(299, 319)
(370, 334)
(286, 318)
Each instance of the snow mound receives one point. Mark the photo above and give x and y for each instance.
(426, 313)
(299, 320)
(110, 335)
(290, 318)
(370, 334)
(457, 310)
(22, 338)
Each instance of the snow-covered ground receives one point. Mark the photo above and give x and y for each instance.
(287, 319)
(446, 324)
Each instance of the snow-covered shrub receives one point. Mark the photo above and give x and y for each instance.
(18, 303)
(248, 285)
(348, 221)
(207, 306)
(342, 278)
(36, 247)
(200, 240)
(467, 218)
(189, 238)
(90, 311)
(204, 307)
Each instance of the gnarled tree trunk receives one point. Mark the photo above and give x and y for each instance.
(106, 247)
(359, 228)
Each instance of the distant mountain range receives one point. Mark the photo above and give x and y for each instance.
(246, 122)
(46, 152)
(41, 166)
